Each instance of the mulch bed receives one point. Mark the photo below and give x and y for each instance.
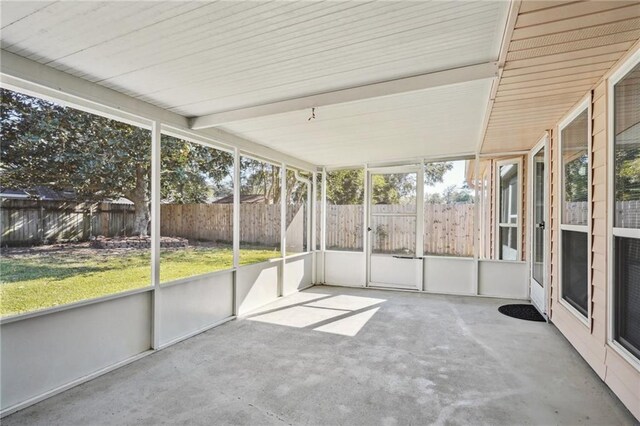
(101, 242)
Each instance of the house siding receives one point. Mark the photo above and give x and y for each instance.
(591, 340)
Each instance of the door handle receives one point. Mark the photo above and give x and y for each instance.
(368, 228)
(540, 225)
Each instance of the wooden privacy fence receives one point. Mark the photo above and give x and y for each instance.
(627, 213)
(259, 223)
(448, 228)
(26, 222)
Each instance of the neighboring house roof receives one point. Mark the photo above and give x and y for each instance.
(38, 193)
(247, 198)
(48, 194)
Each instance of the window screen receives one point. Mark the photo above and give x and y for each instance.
(627, 211)
(574, 269)
(574, 140)
(627, 276)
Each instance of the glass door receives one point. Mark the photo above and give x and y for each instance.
(393, 256)
(538, 233)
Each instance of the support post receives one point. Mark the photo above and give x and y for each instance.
(283, 224)
(236, 226)
(314, 232)
(420, 212)
(323, 221)
(476, 224)
(365, 233)
(156, 134)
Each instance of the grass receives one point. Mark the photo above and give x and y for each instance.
(33, 282)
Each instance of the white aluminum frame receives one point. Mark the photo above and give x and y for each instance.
(612, 231)
(418, 169)
(496, 208)
(170, 127)
(585, 104)
(542, 144)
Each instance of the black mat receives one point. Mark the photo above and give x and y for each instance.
(524, 312)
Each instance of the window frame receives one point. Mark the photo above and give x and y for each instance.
(497, 204)
(612, 231)
(585, 104)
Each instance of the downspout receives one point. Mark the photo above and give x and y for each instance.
(307, 182)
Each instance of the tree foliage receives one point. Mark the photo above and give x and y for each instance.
(63, 148)
(575, 179)
(50, 145)
(347, 186)
(193, 173)
(627, 163)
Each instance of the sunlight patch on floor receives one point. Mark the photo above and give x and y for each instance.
(291, 300)
(343, 314)
(346, 302)
(349, 326)
(297, 316)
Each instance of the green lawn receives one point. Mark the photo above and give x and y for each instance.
(30, 283)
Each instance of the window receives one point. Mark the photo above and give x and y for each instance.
(448, 209)
(260, 211)
(196, 209)
(74, 189)
(626, 220)
(508, 210)
(298, 191)
(574, 247)
(344, 210)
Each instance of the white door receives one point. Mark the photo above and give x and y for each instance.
(539, 234)
(394, 244)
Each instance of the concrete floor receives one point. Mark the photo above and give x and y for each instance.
(367, 357)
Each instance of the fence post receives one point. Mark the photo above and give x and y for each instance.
(41, 221)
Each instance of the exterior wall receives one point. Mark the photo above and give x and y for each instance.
(590, 339)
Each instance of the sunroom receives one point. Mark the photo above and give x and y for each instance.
(245, 212)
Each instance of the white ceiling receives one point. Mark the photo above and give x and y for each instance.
(440, 121)
(196, 58)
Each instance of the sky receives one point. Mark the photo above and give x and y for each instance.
(455, 176)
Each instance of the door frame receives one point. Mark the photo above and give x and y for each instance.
(417, 168)
(543, 143)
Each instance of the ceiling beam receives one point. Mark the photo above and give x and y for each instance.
(375, 90)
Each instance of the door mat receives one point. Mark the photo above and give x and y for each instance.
(524, 312)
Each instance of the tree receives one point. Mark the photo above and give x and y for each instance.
(576, 181)
(347, 186)
(627, 163)
(453, 195)
(46, 144)
(193, 173)
(260, 178)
